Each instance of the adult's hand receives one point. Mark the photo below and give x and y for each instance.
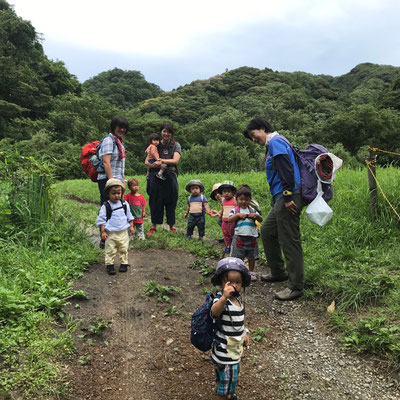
(291, 207)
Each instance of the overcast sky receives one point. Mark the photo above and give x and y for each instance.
(173, 42)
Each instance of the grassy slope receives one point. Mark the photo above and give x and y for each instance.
(352, 260)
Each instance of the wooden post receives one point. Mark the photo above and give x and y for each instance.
(373, 194)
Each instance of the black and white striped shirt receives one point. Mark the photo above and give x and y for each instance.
(228, 346)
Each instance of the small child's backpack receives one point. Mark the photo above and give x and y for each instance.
(109, 209)
(309, 176)
(90, 160)
(203, 328)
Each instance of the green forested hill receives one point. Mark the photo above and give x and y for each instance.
(46, 112)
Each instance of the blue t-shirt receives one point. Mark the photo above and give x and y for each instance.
(276, 147)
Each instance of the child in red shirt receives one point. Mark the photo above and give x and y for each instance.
(137, 205)
(227, 190)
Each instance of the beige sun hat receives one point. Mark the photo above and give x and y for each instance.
(215, 190)
(114, 182)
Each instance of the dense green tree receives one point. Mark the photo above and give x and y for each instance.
(121, 88)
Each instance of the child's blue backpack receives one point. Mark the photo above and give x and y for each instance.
(203, 328)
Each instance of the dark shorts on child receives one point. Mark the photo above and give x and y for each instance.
(245, 246)
(226, 377)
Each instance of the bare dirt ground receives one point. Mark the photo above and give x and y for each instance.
(147, 355)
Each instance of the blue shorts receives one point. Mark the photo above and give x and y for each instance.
(226, 377)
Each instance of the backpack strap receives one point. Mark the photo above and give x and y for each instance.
(109, 209)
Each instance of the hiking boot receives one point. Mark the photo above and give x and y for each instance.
(110, 269)
(275, 278)
(123, 267)
(161, 176)
(288, 294)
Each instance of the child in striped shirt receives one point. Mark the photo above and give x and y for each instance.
(245, 239)
(232, 275)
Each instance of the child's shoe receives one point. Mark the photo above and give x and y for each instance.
(141, 238)
(221, 240)
(253, 276)
(188, 238)
(227, 250)
(110, 269)
(161, 176)
(123, 267)
(151, 231)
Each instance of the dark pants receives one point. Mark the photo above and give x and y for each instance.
(198, 220)
(102, 185)
(162, 194)
(280, 232)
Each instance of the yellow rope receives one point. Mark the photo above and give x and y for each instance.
(379, 186)
(383, 151)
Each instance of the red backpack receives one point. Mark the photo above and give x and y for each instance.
(89, 150)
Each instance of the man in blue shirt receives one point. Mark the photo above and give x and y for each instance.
(280, 231)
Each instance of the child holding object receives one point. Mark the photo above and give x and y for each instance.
(153, 156)
(245, 239)
(231, 275)
(137, 204)
(114, 220)
(196, 209)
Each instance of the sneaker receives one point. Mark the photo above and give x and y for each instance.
(110, 269)
(275, 278)
(227, 250)
(161, 176)
(188, 238)
(173, 230)
(141, 238)
(221, 240)
(123, 267)
(288, 294)
(151, 231)
(253, 276)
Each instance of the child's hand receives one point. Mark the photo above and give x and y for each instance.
(131, 230)
(242, 215)
(214, 213)
(246, 341)
(252, 215)
(228, 290)
(104, 235)
(185, 215)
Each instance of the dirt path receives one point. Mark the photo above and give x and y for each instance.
(147, 355)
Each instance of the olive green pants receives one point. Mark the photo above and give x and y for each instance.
(280, 233)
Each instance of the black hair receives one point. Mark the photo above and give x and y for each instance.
(243, 190)
(258, 123)
(153, 136)
(168, 127)
(120, 121)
